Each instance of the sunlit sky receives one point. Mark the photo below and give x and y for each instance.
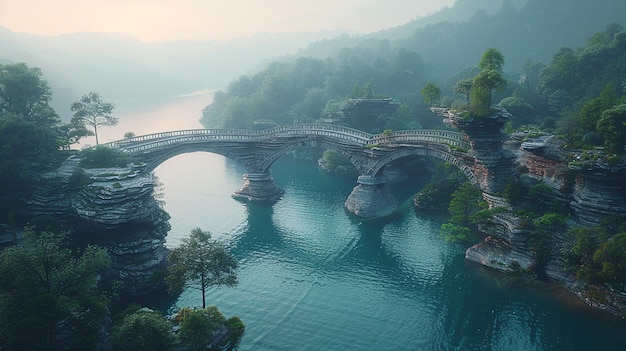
(170, 20)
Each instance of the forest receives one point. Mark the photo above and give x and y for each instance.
(577, 93)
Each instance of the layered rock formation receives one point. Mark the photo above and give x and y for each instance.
(590, 190)
(371, 198)
(492, 163)
(114, 208)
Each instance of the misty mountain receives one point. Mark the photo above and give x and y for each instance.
(522, 30)
(534, 31)
(124, 69)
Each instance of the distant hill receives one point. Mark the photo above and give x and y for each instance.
(455, 37)
(534, 31)
(122, 68)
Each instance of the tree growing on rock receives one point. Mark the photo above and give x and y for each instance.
(200, 263)
(489, 78)
(92, 111)
(49, 293)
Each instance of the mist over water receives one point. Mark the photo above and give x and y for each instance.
(313, 277)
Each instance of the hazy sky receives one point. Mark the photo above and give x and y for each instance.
(167, 20)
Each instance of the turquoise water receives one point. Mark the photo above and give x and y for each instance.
(312, 277)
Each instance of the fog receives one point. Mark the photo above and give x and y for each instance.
(124, 68)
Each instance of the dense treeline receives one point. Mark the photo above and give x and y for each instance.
(577, 94)
(57, 293)
(309, 89)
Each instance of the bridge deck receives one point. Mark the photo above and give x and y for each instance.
(338, 133)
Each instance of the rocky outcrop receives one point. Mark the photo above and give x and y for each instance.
(258, 187)
(599, 192)
(590, 189)
(371, 198)
(492, 162)
(114, 208)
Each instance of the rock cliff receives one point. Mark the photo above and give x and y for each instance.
(114, 208)
(589, 190)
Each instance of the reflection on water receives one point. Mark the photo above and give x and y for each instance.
(312, 277)
(174, 113)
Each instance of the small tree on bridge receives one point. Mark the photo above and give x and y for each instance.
(200, 261)
(90, 110)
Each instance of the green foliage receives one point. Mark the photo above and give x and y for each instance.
(90, 110)
(24, 93)
(431, 93)
(334, 161)
(104, 157)
(466, 201)
(437, 194)
(45, 287)
(550, 220)
(611, 257)
(612, 126)
(144, 330)
(301, 89)
(486, 215)
(492, 60)
(512, 192)
(200, 261)
(455, 233)
(30, 130)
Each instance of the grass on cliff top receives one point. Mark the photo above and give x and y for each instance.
(104, 157)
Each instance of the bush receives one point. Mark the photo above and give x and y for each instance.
(455, 233)
(144, 330)
(104, 157)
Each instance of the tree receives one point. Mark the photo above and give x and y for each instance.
(46, 288)
(200, 261)
(492, 60)
(30, 134)
(24, 92)
(612, 126)
(432, 94)
(464, 88)
(90, 110)
(482, 86)
(591, 110)
(611, 257)
(489, 78)
(144, 330)
(208, 329)
(465, 201)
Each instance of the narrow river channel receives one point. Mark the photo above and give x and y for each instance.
(313, 277)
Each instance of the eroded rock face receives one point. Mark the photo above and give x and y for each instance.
(591, 191)
(371, 198)
(493, 164)
(114, 208)
(597, 194)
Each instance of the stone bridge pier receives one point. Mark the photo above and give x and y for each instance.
(371, 198)
(259, 187)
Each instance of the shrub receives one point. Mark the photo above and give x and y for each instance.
(104, 157)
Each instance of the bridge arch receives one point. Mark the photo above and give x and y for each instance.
(154, 162)
(430, 150)
(310, 142)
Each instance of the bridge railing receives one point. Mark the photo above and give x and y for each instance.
(427, 135)
(350, 135)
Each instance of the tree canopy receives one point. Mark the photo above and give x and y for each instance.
(200, 262)
(46, 288)
(30, 131)
(92, 111)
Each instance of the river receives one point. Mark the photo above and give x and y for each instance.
(313, 277)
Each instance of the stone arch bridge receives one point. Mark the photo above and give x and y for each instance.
(256, 151)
